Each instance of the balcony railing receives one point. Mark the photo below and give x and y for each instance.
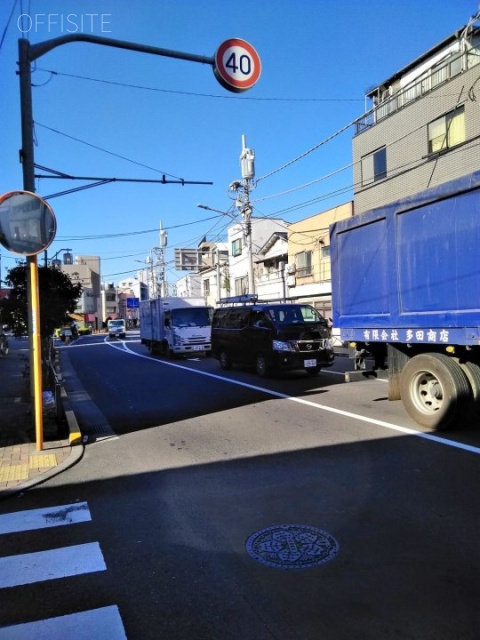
(427, 83)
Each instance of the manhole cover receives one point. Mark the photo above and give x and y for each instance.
(292, 546)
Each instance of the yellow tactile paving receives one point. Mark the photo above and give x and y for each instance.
(14, 472)
(41, 461)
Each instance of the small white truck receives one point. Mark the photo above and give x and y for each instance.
(176, 326)
(116, 328)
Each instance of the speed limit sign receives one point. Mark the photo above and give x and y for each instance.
(237, 65)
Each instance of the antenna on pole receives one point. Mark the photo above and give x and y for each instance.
(247, 161)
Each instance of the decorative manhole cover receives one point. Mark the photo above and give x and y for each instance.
(292, 546)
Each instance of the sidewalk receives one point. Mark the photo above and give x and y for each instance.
(21, 464)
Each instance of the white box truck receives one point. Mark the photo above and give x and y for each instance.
(176, 326)
(116, 328)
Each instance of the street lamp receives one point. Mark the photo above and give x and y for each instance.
(224, 213)
(54, 261)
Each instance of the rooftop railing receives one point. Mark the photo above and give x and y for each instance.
(436, 76)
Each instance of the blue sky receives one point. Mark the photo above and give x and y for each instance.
(105, 112)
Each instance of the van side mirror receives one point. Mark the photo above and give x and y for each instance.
(262, 324)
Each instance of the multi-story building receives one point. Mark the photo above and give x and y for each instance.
(86, 270)
(261, 230)
(190, 286)
(215, 274)
(423, 127)
(129, 293)
(270, 274)
(308, 269)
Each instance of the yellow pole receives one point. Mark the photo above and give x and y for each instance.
(36, 359)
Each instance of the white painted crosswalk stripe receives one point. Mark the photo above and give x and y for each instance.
(50, 565)
(43, 518)
(104, 623)
(98, 624)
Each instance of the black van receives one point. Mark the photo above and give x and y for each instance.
(273, 337)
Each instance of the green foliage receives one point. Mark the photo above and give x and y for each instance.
(57, 293)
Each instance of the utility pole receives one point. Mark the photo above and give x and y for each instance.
(161, 261)
(159, 280)
(242, 190)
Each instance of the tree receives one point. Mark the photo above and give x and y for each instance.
(58, 297)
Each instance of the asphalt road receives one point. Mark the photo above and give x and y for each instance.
(224, 506)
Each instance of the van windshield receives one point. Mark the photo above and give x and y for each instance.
(192, 317)
(295, 314)
(116, 323)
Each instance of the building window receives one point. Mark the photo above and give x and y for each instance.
(206, 287)
(241, 286)
(237, 247)
(303, 262)
(374, 166)
(446, 132)
(325, 252)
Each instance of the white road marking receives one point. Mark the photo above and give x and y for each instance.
(43, 518)
(98, 624)
(28, 568)
(322, 407)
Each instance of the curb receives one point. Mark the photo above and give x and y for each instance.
(75, 456)
(74, 433)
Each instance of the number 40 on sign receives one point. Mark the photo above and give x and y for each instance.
(237, 65)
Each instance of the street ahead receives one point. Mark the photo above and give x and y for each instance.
(224, 506)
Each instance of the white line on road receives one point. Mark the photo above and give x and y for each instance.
(99, 624)
(28, 568)
(43, 518)
(347, 414)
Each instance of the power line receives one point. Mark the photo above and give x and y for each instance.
(4, 34)
(108, 236)
(308, 152)
(93, 146)
(191, 93)
(303, 186)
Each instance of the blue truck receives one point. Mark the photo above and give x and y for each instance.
(406, 291)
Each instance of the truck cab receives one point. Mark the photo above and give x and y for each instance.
(116, 329)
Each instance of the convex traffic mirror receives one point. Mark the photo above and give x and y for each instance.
(27, 223)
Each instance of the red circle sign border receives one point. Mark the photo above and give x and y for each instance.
(238, 85)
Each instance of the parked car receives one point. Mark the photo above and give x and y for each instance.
(66, 334)
(272, 337)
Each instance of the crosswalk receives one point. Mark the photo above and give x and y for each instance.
(104, 623)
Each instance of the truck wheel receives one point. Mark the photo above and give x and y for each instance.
(433, 388)
(261, 366)
(472, 373)
(225, 361)
(171, 355)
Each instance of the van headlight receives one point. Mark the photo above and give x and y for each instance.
(279, 345)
